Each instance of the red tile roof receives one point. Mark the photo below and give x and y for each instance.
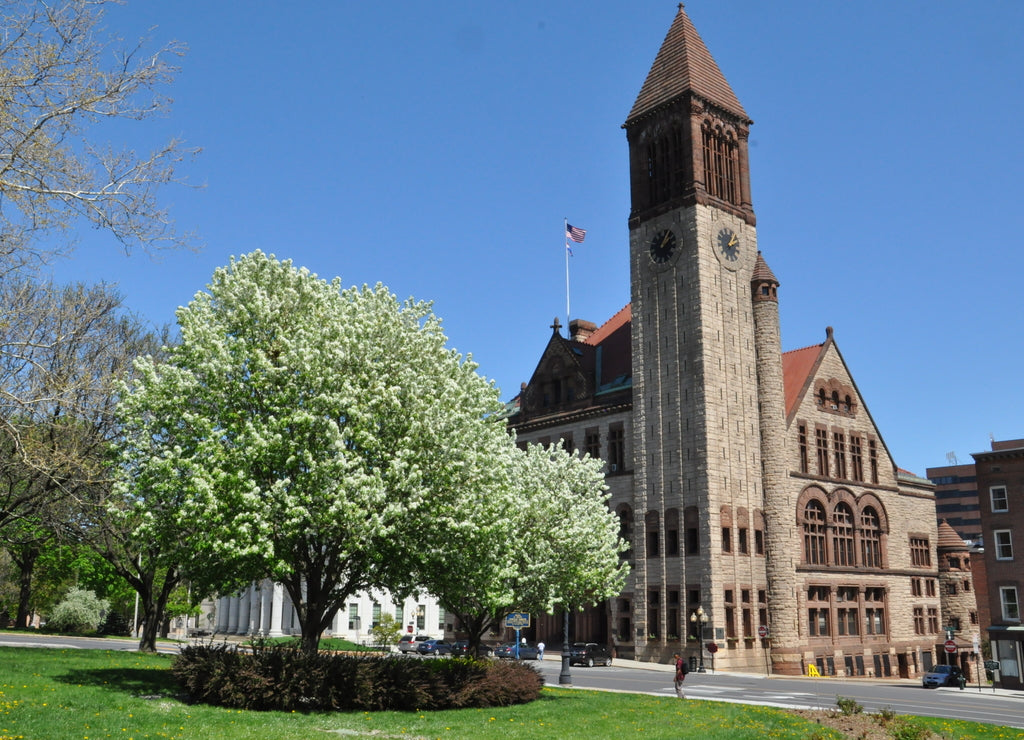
(683, 65)
(797, 366)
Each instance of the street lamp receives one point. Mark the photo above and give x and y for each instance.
(699, 619)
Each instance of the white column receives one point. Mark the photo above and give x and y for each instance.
(233, 606)
(276, 611)
(254, 610)
(242, 625)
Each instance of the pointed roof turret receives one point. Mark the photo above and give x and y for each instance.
(684, 65)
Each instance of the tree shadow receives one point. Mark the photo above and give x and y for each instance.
(146, 682)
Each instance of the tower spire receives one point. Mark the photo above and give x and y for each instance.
(684, 65)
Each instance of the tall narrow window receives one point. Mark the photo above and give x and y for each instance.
(839, 452)
(616, 449)
(1009, 604)
(920, 552)
(842, 536)
(721, 166)
(870, 538)
(997, 494)
(726, 539)
(672, 532)
(1004, 544)
(856, 457)
(653, 535)
(802, 438)
(626, 531)
(821, 437)
(873, 459)
(814, 533)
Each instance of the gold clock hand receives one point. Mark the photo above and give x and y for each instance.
(734, 241)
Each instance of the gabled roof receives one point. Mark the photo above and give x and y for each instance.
(798, 367)
(684, 65)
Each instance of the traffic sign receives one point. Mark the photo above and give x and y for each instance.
(950, 646)
(712, 647)
(517, 620)
(762, 631)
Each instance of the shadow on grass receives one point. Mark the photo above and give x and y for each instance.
(135, 681)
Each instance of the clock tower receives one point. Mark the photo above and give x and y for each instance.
(693, 251)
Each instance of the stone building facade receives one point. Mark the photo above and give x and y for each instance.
(752, 485)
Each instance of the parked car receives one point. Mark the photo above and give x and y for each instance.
(409, 642)
(527, 651)
(942, 675)
(461, 648)
(589, 654)
(434, 647)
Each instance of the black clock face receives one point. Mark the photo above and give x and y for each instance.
(663, 245)
(729, 244)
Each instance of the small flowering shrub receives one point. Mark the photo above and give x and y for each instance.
(78, 612)
(277, 677)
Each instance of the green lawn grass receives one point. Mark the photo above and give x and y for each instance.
(87, 694)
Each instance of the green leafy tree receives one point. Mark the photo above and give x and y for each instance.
(303, 433)
(386, 631)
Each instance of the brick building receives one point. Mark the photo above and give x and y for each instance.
(752, 485)
(956, 498)
(1001, 495)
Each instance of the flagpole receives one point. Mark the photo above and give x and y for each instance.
(565, 233)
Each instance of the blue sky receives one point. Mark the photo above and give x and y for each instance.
(437, 147)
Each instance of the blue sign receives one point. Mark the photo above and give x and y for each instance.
(517, 620)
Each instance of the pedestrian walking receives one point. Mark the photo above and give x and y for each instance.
(540, 650)
(681, 670)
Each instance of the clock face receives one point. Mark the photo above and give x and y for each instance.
(663, 246)
(728, 245)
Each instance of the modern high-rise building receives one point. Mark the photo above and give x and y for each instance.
(763, 508)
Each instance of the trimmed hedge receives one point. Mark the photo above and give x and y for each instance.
(276, 677)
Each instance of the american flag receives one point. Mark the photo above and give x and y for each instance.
(576, 234)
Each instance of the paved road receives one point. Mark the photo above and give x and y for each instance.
(905, 697)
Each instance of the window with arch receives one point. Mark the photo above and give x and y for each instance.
(842, 535)
(672, 532)
(870, 538)
(653, 535)
(721, 164)
(626, 530)
(814, 533)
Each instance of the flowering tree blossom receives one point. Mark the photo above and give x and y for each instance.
(307, 434)
(542, 541)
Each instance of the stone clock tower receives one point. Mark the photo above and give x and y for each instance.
(693, 251)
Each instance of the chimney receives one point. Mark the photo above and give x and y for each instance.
(580, 330)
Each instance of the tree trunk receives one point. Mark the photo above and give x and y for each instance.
(26, 561)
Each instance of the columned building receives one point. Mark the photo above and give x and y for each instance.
(752, 484)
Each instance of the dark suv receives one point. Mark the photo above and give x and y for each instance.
(589, 654)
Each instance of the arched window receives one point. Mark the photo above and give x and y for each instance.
(870, 538)
(672, 532)
(653, 535)
(626, 530)
(814, 533)
(842, 536)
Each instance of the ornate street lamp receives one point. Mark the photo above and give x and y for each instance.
(699, 620)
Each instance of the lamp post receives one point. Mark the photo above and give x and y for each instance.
(699, 620)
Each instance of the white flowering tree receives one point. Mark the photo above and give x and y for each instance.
(543, 541)
(306, 434)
